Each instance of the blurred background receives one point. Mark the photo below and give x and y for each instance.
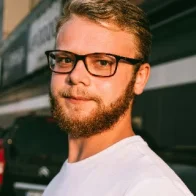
(32, 148)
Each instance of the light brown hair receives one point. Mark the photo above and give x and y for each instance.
(121, 13)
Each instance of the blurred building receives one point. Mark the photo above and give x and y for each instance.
(167, 108)
(14, 12)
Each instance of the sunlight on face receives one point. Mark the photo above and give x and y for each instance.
(99, 120)
(84, 104)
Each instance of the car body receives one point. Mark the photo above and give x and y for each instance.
(35, 150)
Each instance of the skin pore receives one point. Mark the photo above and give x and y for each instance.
(79, 97)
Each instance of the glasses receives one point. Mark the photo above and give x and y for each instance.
(97, 64)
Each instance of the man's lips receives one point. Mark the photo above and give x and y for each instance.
(77, 99)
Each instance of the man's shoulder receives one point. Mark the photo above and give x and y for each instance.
(53, 186)
(152, 176)
(158, 186)
(147, 163)
(143, 163)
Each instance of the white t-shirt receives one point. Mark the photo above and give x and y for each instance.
(127, 168)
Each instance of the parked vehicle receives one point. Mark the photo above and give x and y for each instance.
(35, 151)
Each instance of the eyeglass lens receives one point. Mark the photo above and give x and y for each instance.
(97, 64)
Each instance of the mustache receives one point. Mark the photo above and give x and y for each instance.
(78, 93)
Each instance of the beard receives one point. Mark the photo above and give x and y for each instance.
(98, 121)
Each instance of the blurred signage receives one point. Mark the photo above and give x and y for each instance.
(42, 37)
(1, 19)
(14, 60)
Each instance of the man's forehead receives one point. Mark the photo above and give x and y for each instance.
(81, 33)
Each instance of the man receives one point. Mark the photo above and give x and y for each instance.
(99, 65)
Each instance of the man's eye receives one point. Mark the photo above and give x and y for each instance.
(104, 63)
(63, 60)
(67, 60)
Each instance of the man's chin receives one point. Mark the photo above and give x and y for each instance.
(72, 106)
(77, 126)
(76, 119)
(78, 113)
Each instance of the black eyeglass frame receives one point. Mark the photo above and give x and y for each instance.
(78, 57)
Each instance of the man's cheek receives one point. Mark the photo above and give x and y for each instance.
(109, 92)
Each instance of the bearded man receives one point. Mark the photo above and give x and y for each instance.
(99, 65)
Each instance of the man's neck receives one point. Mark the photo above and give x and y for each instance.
(83, 148)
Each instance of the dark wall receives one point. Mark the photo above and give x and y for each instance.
(169, 114)
(174, 40)
(168, 111)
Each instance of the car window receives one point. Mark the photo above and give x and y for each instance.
(39, 136)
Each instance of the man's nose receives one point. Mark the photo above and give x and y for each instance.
(80, 74)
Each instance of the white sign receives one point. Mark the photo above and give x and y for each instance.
(42, 37)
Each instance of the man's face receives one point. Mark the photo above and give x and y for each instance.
(85, 105)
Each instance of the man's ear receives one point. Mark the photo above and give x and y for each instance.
(141, 78)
